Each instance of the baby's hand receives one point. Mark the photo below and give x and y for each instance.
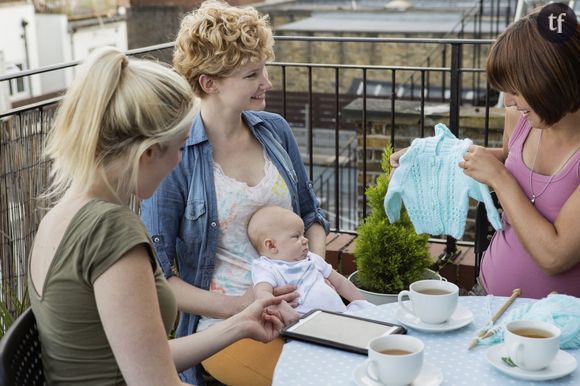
(288, 293)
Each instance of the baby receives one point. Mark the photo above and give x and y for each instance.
(278, 236)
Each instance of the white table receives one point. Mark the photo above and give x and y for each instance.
(303, 364)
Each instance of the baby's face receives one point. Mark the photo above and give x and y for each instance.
(290, 240)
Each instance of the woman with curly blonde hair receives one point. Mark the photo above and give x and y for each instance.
(236, 160)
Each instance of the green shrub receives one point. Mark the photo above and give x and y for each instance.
(388, 256)
(11, 306)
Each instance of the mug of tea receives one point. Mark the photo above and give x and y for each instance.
(395, 360)
(532, 344)
(432, 301)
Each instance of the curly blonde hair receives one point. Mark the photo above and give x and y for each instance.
(218, 38)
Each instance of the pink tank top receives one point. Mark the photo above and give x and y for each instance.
(506, 264)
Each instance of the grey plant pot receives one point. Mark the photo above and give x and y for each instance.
(379, 298)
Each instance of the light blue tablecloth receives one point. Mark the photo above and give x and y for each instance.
(308, 364)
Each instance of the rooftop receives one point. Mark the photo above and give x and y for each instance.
(454, 5)
(379, 22)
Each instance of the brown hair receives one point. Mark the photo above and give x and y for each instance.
(545, 74)
(217, 38)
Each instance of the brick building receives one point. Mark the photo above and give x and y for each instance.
(157, 21)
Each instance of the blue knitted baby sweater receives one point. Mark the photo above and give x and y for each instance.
(434, 188)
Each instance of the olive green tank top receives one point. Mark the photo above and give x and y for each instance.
(75, 350)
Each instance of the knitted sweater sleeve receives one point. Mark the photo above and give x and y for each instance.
(393, 198)
(480, 192)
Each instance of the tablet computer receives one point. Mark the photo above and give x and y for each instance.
(346, 332)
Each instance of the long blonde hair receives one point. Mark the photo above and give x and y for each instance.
(115, 109)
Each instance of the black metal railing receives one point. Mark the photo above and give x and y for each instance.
(337, 198)
(331, 107)
(455, 72)
(484, 19)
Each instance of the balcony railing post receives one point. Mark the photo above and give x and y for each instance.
(364, 144)
(486, 120)
(492, 4)
(451, 246)
(479, 21)
(422, 103)
(393, 97)
(309, 122)
(455, 99)
(337, 176)
(497, 17)
(443, 74)
(284, 112)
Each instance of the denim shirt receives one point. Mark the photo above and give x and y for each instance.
(182, 215)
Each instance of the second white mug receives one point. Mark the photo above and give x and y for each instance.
(432, 301)
(395, 360)
(532, 344)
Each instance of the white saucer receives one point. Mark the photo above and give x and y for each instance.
(460, 318)
(429, 376)
(563, 365)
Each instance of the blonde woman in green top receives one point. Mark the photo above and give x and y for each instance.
(102, 305)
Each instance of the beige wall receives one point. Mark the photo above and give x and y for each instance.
(377, 54)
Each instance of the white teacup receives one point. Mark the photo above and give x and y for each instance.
(432, 301)
(532, 344)
(395, 360)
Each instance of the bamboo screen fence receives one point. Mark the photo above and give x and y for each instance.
(23, 177)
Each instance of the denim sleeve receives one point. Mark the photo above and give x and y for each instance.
(309, 204)
(162, 214)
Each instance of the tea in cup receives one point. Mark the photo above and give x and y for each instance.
(432, 301)
(395, 360)
(532, 344)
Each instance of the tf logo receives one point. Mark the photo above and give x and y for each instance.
(557, 22)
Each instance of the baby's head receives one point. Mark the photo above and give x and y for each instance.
(278, 233)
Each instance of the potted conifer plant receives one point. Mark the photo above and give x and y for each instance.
(388, 256)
